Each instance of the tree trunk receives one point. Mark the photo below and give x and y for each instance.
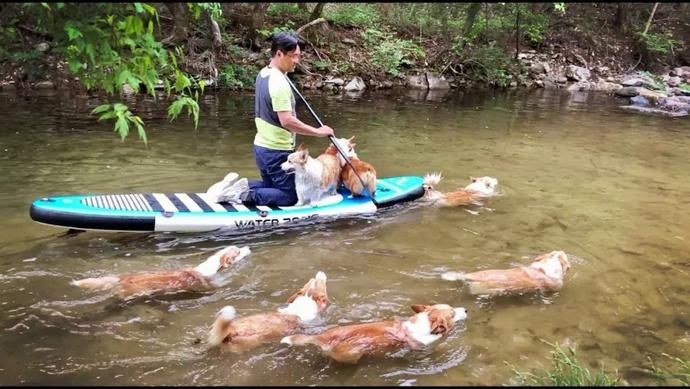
(214, 29)
(517, 31)
(258, 16)
(316, 13)
(649, 21)
(384, 10)
(303, 7)
(472, 13)
(443, 14)
(180, 15)
(622, 15)
(486, 19)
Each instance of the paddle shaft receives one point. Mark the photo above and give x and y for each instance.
(330, 137)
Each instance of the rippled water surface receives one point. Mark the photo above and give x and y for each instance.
(609, 188)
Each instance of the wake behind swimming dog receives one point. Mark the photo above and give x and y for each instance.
(545, 274)
(201, 277)
(349, 343)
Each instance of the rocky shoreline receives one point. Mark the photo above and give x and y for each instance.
(667, 94)
(649, 94)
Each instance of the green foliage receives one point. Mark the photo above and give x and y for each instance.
(288, 26)
(185, 102)
(238, 76)
(389, 53)
(283, 9)
(342, 68)
(488, 63)
(108, 46)
(123, 118)
(559, 7)
(535, 27)
(657, 81)
(228, 78)
(213, 8)
(501, 22)
(566, 371)
(684, 87)
(321, 65)
(357, 15)
(658, 43)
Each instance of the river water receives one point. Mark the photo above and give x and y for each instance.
(609, 188)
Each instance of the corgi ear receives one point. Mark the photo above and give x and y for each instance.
(302, 292)
(473, 179)
(419, 307)
(301, 147)
(228, 257)
(321, 301)
(351, 139)
(439, 324)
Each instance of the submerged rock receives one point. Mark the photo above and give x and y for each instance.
(580, 86)
(335, 81)
(357, 84)
(650, 94)
(674, 81)
(634, 81)
(436, 82)
(577, 73)
(675, 103)
(605, 86)
(654, 111)
(44, 85)
(640, 101)
(417, 82)
(628, 91)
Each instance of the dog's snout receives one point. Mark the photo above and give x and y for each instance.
(460, 314)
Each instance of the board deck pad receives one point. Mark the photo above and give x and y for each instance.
(195, 212)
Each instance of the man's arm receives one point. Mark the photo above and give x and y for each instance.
(295, 125)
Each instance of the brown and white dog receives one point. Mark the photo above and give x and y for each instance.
(364, 169)
(348, 344)
(313, 176)
(473, 194)
(244, 333)
(545, 274)
(168, 281)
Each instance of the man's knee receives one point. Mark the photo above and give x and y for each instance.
(273, 196)
(290, 198)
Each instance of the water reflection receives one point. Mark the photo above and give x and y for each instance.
(608, 188)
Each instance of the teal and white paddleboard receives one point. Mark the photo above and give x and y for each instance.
(193, 212)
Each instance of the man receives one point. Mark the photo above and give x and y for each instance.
(276, 128)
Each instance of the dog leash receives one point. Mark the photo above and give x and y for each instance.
(330, 137)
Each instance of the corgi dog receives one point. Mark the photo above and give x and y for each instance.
(473, 194)
(365, 170)
(313, 177)
(168, 281)
(332, 166)
(245, 333)
(347, 344)
(545, 274)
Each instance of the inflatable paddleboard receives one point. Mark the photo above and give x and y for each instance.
(194, 212)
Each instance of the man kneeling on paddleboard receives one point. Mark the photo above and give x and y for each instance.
(276, 128)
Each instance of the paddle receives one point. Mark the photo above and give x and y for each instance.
(330, 137)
